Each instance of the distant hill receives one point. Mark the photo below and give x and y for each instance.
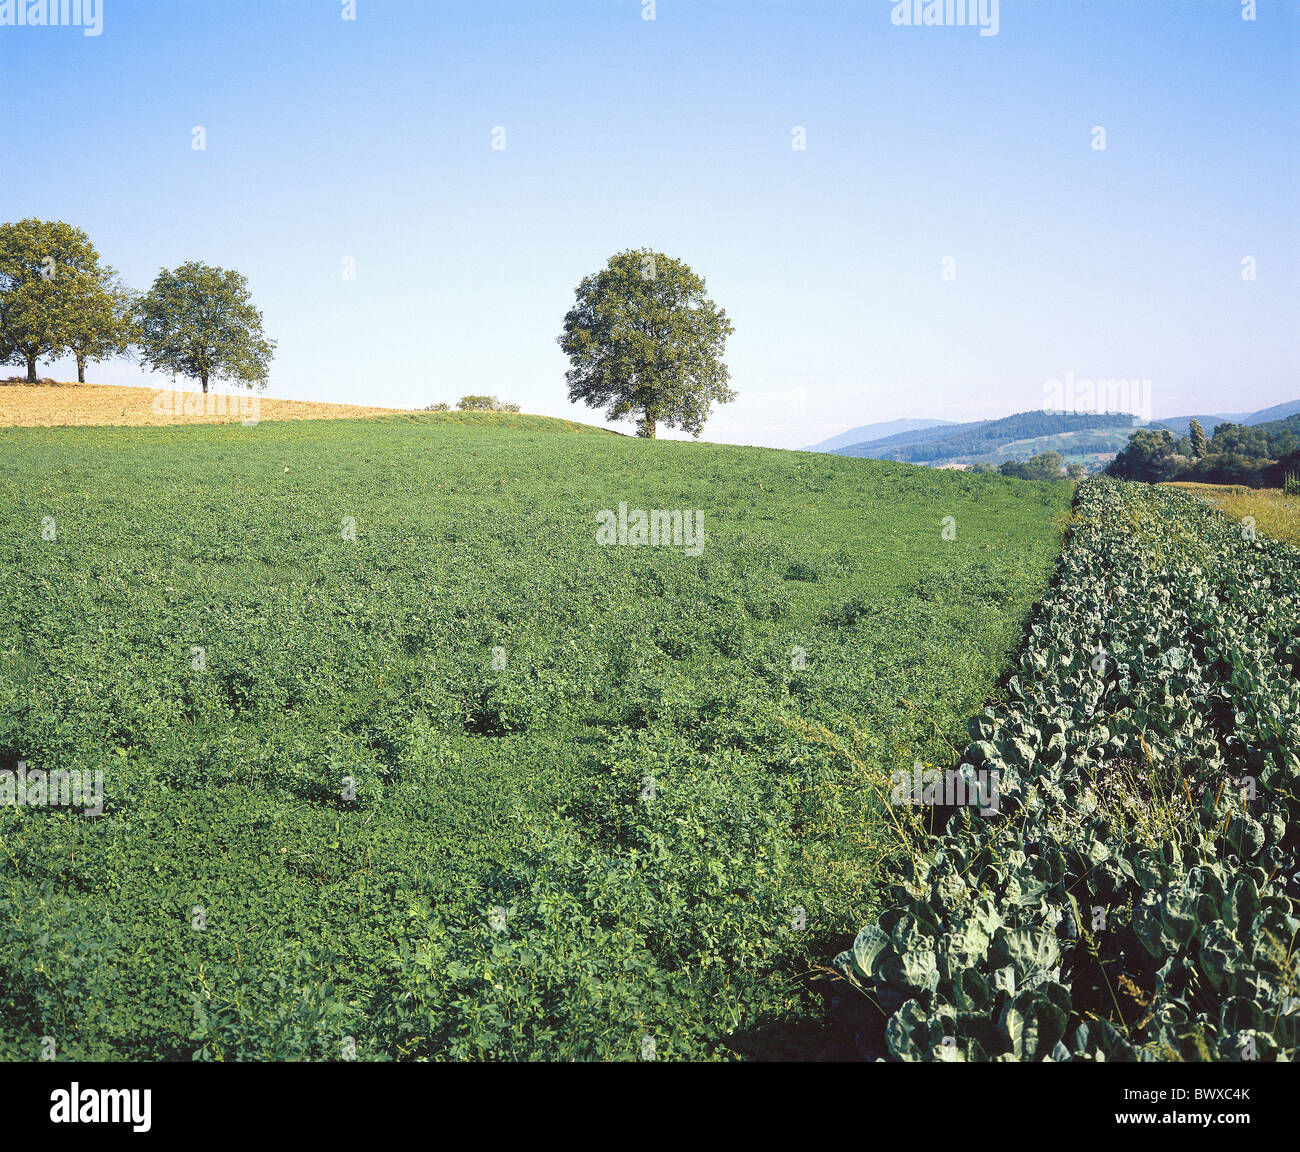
(1288, 424)
(869, 432)
(984, 439)
(1089, 437)
(1178, 425)
(1088, 444)
(1181, 425)
(901, 440)
(1269, 415)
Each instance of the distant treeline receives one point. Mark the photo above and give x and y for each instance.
(1048, 465)
(1262, 456)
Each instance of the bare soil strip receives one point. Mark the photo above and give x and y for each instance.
(50, 405)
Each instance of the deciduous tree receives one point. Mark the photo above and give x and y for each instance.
(644, 338)
(45, 268)
(100, 320)
(200, 322)
(1148, 456)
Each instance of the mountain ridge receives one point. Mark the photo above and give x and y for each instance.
(868, 433)
(1089, 434)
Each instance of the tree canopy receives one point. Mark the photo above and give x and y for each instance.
(101, 323)
(644, 339)
(49, 275)
(200, 322)
(1045, 466)
(1235, 454)
(1149, 455)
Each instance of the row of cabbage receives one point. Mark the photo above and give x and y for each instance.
(1135, 895)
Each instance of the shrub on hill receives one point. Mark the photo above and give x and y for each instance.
(484, 404)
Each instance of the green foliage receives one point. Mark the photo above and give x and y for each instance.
(1272, 440)
(1044, 466)
(440, 407)
(1149, 456)
(330, 912)
(1284, 472)
(53, 294)
(102, 319)
(1135, 896)
(1255, 456)
(478, 404)
(200, 322)
(643, 337)
(1291, 484)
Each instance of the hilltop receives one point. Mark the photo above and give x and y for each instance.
(57, 404)
(866, 433)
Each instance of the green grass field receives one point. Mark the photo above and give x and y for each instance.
(470, 784)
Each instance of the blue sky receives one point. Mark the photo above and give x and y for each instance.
(371, 140)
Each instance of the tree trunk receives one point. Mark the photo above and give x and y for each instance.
(81, 369)
(646, 427)
(204, 378)
(31, 369)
